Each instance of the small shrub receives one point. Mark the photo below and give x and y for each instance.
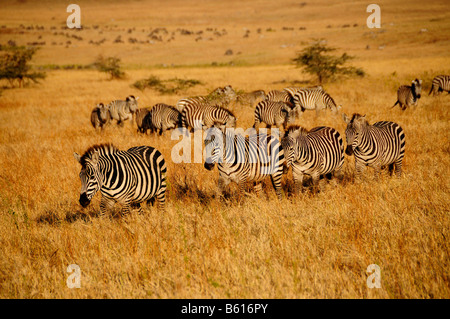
(110, 65)
(170, 86)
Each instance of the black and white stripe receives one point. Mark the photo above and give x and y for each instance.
(243, 159)
(200, 114)
(316, 153)
(123, 110)
(379, 145)
(279, 96)
(314, 99)
(128, 177)
(441, 83)
(273, 113)
(163, 117)
(409, 95)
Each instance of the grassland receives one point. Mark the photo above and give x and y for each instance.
(311, 246)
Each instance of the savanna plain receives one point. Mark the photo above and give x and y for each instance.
(305, 246)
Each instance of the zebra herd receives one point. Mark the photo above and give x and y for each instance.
(139, 174)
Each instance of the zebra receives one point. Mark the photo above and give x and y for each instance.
(243, 159)
(100, 116)
(273, 113)
(128, 177)
(315, 98)
(292, 90)
(379, 145)
(140, 116)
(409, 95)
(440, 83)
(222, 96)
(251, 98)
(279, 96)
(123, 110)
(204, 115)
(163, 117)
(318, 152)
(181, 104)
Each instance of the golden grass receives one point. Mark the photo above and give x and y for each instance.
(311, 246)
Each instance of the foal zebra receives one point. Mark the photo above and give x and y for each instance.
(316, 153)
(199, 115)
(273, 113)
(409, 95)
(123, 110)
(163, 117)
(244, 159)
(379, 145)
(314, 98)
(100, 116)
(128, 177)
(440, 83)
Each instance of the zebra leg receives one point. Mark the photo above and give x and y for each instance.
(221, 184)
(105, 205)
(161, 199)
(138, 207)
(398, 167)
(257, 186)
(298, 180)
(315, 181)
(276, 182)
(359, 168)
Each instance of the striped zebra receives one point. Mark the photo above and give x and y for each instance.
(409, 95)
(440, 83)
(251, 98)
(273, 113)
(181, 104)
(100, 116)
(379, 145)
(204, 115)
(243, 159)
(292, 90)
(140, 116)
(128, 177)
(163, 117)
(318, 152)
(123, 110)
(279, 96)
(310, 99)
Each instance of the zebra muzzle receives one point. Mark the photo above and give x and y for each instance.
(84, 201)
(349, 150)
(209, 166)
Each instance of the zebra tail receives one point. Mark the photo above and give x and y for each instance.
(395, 104)
(431, 90)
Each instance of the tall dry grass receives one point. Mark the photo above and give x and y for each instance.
(310, 246)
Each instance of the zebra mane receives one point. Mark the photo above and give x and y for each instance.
(296, 131)
(359, 118)
(104, 148)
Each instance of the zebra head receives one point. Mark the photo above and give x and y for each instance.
(132, 103)
(103, 112)
(90, 176)
(290, 143)
(355, 125)
(213, 147)
(416, 88)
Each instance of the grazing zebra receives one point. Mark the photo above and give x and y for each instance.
(128, 177)
(409, 95)
(440, 83)
(310, 99)
(293, 90)
(163, 117)
(251, 98)
(139, 117)
(273, 113)
(222, 96)
(379, 145)
(181, 104)
(123, 110)
(244, 159)
(316, 153)
(100, 116)
(279, 96)
(204, 115)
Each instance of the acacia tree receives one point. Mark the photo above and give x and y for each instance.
(314, 60)
(110, 65)
(14, 65)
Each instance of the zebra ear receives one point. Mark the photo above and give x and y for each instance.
(345, 118)
(137, 98)
(77, 157)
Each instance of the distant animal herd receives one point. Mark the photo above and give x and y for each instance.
(139, 174)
